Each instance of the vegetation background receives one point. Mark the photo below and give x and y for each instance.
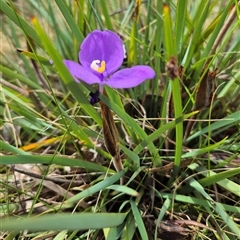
(179, 133)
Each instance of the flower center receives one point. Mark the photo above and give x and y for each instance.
(98, 66)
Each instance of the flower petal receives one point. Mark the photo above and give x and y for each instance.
(104, 46)
(130, 77)
(80, 73)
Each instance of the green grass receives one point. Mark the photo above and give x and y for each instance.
(179, 133)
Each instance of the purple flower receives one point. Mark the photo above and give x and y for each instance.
(101, 55)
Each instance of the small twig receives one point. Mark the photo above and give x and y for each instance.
(50, 185)
(14, 87)
(167, 168)
(42, 81)
(39, 176)
(194, 223)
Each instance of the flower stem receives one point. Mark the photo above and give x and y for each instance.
(111, 135)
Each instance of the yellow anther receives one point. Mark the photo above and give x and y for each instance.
(102, 68)
(95, 66)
